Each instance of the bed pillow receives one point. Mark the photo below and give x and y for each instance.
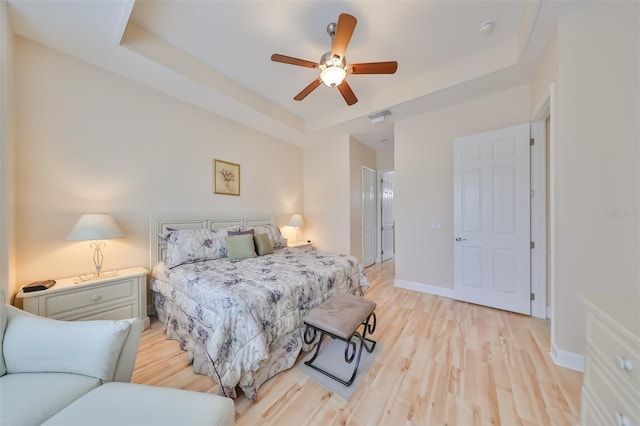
(195, 245)
(240, 232)
(263, 244)
(240, 246)
(277, 240)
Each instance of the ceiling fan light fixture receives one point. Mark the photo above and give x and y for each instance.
(333, 75)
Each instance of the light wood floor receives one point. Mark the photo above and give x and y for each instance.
(443, 362)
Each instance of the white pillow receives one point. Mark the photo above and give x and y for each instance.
(195, 245)
(40, 345)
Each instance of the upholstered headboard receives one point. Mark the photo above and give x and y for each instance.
(159, 224)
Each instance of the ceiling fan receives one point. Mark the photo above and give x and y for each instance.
(333, 65)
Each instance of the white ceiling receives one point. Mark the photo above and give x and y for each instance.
(216, 54)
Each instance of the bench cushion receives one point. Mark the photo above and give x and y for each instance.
(341, 315)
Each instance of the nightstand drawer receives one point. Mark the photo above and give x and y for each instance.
(127, 310)
(67, 304)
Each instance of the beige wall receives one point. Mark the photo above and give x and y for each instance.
(359, 156)
(546, 72)
(423, 180)
(90, 141)
(7, 153)
(384, 159)
(597, 180)
(326, 194)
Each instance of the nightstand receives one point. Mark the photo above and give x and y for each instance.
(114, 297)
(302, 245)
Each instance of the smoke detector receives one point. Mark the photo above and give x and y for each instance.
(485, 28)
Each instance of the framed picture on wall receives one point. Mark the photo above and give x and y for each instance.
(226, 178)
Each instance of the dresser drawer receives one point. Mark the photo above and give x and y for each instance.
(618, 355)
(615, 400)
(71, 303)
(590, 413)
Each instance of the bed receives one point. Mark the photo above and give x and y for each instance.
(240, 318)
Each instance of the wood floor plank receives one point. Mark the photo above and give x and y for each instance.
(441, 362)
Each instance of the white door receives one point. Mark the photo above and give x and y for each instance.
(388, 221)
(491, 198)
(368, 216)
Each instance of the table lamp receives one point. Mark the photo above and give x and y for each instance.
(95, 227)
(296, 221)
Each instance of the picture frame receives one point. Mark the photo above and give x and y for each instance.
(226, 178)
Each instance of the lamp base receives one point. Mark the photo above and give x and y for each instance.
(83, 278)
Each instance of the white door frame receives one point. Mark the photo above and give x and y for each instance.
(382, 211)
(379, 212)
(363, 213)
(539, 208)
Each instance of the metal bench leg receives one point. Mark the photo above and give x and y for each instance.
(309, 336)
(369, 327)
(350, 349)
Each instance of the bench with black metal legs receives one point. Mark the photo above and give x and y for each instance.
(340, 317)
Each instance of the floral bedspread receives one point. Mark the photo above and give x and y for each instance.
(232, 316)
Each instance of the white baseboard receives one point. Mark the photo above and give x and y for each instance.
(424, 288)
(567, 359)
(549, 311)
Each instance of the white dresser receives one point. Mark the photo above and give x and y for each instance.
(611, 383)
(121, 296)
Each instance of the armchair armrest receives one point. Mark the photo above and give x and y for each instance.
(102, 349)
(127, 359)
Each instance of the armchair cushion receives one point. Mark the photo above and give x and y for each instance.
(40, 345)
(31, 398)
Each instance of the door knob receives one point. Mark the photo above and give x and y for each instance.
(460, 239)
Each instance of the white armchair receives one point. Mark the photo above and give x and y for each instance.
(46, 365)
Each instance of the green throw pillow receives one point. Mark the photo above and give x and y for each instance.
(240, 246)
(263, 244)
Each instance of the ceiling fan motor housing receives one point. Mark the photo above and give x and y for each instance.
(331, 29)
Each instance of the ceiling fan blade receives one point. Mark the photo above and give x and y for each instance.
(344, 30)
(347, 93)
(310, 88)
(293, 61)
(374, 68)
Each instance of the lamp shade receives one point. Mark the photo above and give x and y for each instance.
(95, 227)
(296, 221)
